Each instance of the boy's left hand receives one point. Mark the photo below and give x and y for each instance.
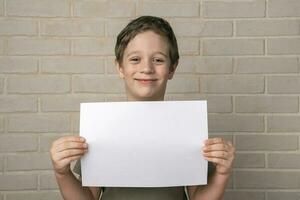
(221, 153)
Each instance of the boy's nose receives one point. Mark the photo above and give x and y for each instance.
(147, 67)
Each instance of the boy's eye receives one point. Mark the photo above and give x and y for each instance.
(158, 60)
(134, 59)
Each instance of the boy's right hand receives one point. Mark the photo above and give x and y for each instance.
(65, 150)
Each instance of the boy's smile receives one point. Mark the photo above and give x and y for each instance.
(145, 67)
(146, 81)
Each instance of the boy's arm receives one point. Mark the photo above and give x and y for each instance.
(63, 152)
(71, 188)
(214, 190)
(221, 154)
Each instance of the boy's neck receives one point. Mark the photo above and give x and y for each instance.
(145, 99)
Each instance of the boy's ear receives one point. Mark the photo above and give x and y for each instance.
(172, 70)
(119, 69)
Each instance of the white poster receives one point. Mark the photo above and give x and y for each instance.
(144, 144)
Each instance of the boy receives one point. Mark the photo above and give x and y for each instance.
(146, 58)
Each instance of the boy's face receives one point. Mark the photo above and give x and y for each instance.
(146, 67)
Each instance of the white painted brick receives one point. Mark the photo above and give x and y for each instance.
(232, 84)
(18, 104)
(284, 160)
(1, 84)
(1, 7)
(215, 104)
(283, 84)
(48, 195)
(270, 65)
(94, 8)
(73, 28)
(41, 8)
(18, 182)
(48, 182)
(233, 9)
(114, 26)
(235, 123)
(201, 28)
(50, 63)
(46, 141)
(204, 65)
(230, 183)
(183, 84)
(286, 8)
(76, 123)
(1, 164)
(73, 65)
(1, 46)
(1, 124)
(245, 195)
(97, 84)
(267, 27)
(37, 123)
(249, 160)
(13, 64)
(266, 142)
(188, 46)
(267, 180)
(101, 46)
(283, 123)
(18, 27)
(219, 104)
(110, 65)
(28, 84)
(115, 97)
(266, 104)
(37, 46)
(232, 47)
(283, 46)
(169, 9)
(28, 161)
(287, 195)
(67, 102)
(18, 143)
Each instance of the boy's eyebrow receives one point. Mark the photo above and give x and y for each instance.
(131, 53)
(138, 52)
(162, 53)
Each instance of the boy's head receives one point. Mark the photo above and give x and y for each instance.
(143, 24)
(146, 57)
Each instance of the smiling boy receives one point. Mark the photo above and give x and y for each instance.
(145, 67)
(146, 58)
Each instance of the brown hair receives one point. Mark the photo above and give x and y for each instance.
(142, 24)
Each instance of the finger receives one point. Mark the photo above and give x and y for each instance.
(222, 166)
(71, 145)
(231, 147)
(70, 153)
(216, 147)
(213, 141)
(72, 138)
(229, 143)
(217, 154)
(218, 161)
(68, 160)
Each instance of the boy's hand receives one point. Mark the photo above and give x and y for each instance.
(221, 153)
(65, 150)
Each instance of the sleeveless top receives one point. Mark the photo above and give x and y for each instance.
(152, 193)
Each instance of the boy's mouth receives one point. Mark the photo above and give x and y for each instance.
(145, 81)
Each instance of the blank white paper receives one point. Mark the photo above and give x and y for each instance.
(144, 144)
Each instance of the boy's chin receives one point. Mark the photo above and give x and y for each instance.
(148, 97)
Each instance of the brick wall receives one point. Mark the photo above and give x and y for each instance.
(241, 55)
